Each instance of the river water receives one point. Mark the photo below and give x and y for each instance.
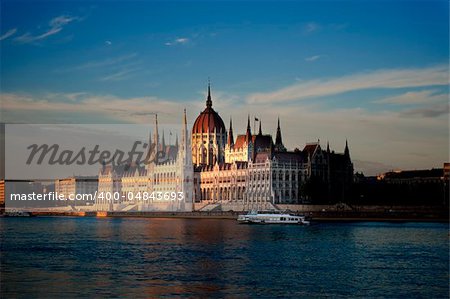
(136, 257)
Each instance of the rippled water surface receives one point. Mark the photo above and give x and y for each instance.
(134, 257)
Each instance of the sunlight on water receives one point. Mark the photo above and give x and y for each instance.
(81, 257)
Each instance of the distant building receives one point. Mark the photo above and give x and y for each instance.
(2, 194)
(71, 186)
(434, 175)
(446, 171)
(47, 188)
(109, 182)
(132, 187)
(428, 187)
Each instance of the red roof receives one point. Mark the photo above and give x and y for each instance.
(240, 140)
(207, 121)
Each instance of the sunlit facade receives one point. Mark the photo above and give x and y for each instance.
(255, 171)
(164, 184)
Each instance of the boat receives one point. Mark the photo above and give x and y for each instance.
(271, 217)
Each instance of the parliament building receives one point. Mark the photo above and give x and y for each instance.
(253, 171)
(212, 167)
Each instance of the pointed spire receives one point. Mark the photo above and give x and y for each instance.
(278, 138)
(230, 135)
(163, 142)
(156, 136)
(156, 140)
(208, 99)
(176, 140)
(328, 147)
(149, 138)
(260, 131)
(184, 136)
(149, 146)
(184, 132)
(346, 151)
(248, 135)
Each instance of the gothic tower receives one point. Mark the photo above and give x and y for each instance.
(279, 147)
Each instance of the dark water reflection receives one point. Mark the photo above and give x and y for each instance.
(85, 257)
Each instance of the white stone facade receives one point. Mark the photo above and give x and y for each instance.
(151, 187)
(276, 180)
(71, 186)
(222, 182)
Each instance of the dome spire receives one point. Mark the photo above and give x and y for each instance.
(208, 99)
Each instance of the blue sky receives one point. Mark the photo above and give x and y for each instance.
(375, 72)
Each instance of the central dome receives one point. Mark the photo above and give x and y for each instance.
(209, 120)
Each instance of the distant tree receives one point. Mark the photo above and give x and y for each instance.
(359, 175)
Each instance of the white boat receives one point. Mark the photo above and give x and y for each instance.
(271, 217)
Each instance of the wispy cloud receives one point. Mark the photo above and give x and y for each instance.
(178, 41)
(388, 78)
(55, 26)
(51, 106)
(383, 136)
(314, 27)
(101, 63)
(110, 69)
(121, 74)
(433, 111)
(415, 97)
(310, 27)
(8, 33)
(313, 58)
